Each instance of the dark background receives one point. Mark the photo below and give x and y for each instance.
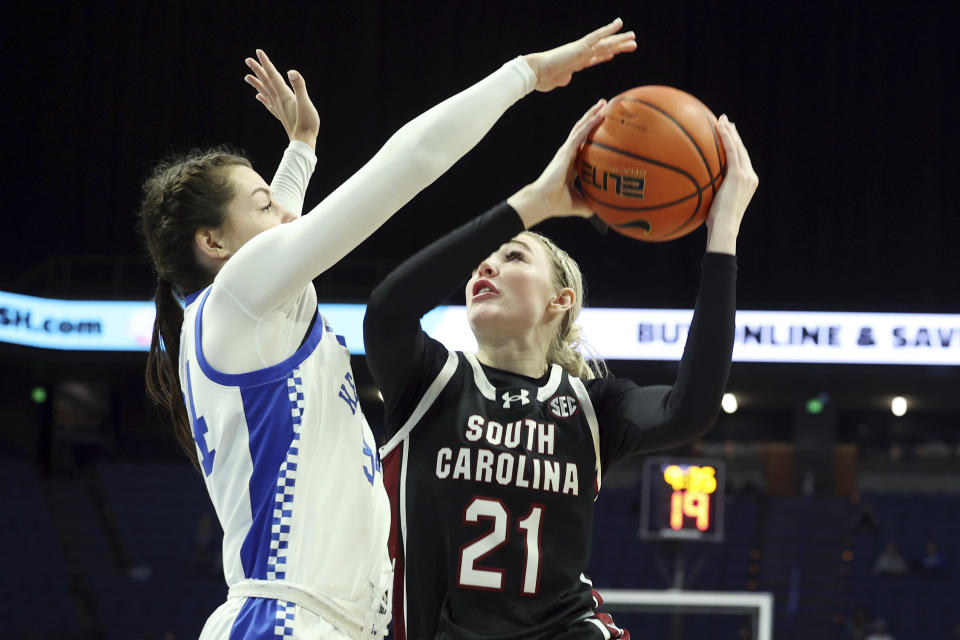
(847, 109)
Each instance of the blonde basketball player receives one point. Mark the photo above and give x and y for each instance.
(494, 458)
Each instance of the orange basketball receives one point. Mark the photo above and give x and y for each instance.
(651, 169)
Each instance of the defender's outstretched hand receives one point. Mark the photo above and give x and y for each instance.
(555, 68)
(292, 107)
(553, 194)
(739, 185)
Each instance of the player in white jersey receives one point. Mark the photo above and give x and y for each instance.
(258, 385)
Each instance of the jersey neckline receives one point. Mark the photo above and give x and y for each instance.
(546, 384)
(260, 376)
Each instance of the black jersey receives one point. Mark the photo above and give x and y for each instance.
(509, 466)
(492, 475)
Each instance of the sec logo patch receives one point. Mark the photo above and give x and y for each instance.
(562, 407)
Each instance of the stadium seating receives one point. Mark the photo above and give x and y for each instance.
(35, 601)
(131, 552)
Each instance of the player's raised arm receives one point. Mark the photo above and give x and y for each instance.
(553, 193)
(555, 68)
(739, 185)
(293, 107)
(411, 159)
(290, 104)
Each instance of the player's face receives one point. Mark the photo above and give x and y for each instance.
(509, 292)
(252, 210)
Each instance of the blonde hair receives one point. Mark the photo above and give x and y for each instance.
(567, 344)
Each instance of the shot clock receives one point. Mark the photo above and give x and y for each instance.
(682, 499)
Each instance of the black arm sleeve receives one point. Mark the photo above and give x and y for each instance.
(402, 359)
(637, 419)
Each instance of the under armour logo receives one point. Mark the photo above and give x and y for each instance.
(523, 398)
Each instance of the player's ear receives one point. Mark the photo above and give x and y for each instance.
(207, 241)
(563, 301)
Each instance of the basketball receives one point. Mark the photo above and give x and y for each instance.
(651, 169)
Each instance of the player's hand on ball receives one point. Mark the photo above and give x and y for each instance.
(292, 107)
(733, 196)
(553, 194)
(555, 68)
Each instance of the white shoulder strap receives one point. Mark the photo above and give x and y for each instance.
(587, 406)
(431, 394)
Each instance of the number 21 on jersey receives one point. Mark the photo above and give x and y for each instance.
(472, 576)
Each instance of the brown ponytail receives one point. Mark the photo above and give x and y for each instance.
(182, 195)
(163, 364)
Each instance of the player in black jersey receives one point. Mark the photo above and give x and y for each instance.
(493, 459)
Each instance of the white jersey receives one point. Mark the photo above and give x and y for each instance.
(293, 473)
(288, 459)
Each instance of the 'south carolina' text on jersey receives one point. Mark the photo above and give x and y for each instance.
(532, 469)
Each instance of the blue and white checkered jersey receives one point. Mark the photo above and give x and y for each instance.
(294, 475)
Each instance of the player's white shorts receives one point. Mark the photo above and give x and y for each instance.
(262, 618)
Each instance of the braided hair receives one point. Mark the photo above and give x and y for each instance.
(182, 195)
